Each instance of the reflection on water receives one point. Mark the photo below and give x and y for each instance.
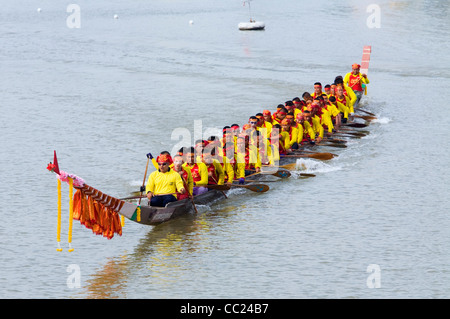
(160, 259)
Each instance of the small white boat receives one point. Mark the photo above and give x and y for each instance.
(252, 25)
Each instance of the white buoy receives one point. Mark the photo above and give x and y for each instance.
(191, 22)
(116, 16)
(39, 9)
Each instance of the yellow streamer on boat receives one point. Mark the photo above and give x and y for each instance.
(138, 214)
(70, 212)
(58, 231)
(122, 220)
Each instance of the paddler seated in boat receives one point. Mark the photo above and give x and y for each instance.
(356, 81)
(317, 90)
(339, 81)
(332, 110)
(164, 183)
(342, 102)
(277, 147)
(327, 89)
(280, 115)
(248, 154)
(263, 126)
(322, 115)
(291, 138)
(199, 172)
(268, 117)
(186, 176)
(199, 146)
(305, 132)
(227, 135)
(154, 162)
(315, 125)
(289, 106)
(216, 175)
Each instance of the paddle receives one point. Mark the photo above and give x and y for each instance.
(348, 136)
(364, 111)
(366, 117)
(291, 167)
(331, 145)
(191, 197)
(258, 188)
(281, 173)
(361, 134)
(354, 124)
(145, 176)
(320, 156)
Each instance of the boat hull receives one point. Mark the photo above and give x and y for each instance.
(248, 26)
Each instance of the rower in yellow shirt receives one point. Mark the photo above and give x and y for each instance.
(199, 172)
(215, 170)
(164, 183)
(305, 131)
(343, 103)
(339, 81)
(356, 81)
(315, 124)
(292, 137)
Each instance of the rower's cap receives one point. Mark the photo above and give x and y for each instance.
(285, 122)
(266, 112)
(356, 66)
(164, 158)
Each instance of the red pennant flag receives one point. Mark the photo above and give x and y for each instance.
(55, 163)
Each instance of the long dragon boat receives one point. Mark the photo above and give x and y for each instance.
(101, 212)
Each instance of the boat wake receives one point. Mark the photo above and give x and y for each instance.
(382, 120)
(313, 166)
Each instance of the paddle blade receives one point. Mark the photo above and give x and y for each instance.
(258, 188)
(355, 124)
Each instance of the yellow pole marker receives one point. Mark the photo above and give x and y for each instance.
(70, 212)
(122, 220)
(58, 231)
(138, 214)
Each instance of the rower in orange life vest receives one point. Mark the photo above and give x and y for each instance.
(163, 184)
(355, 80)
(198, 170)
(186, 176)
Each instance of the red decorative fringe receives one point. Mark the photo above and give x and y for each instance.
(97, 211)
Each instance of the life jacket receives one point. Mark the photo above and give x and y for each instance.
(195, 173)
(354, 82)
(211, 168)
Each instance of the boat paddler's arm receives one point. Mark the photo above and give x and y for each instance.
(149, 188)
(179, 184)
(228, 169)
(344, 109)
(203, 171)
(220, 173)
(352, 98)
(190, 180)
(300, 134)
